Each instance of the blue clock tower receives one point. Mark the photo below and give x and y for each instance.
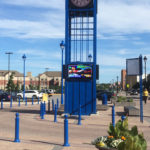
(80, 56)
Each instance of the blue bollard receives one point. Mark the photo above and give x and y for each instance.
(53, 105)
(55, 115)
(113, 116)
(104, 101)
(48, 106)
(17, 128)
(79, 117)
(11, 102)
(123, 117)
(66, 131)
(19, 102)
(26, 101)
(44, 107)
(42, 110)
(32, 100)
(57, 103)
(38, 100)
(2, 104)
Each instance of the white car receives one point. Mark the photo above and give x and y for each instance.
(30, 94)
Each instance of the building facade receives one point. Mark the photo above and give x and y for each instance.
(42, 81)
(130, 80)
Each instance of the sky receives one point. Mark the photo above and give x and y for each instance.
(36, 28)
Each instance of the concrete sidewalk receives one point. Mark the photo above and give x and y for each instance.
(37, 134)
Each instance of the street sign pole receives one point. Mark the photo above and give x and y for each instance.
(141, 88)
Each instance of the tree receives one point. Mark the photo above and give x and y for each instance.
(10, 85)
(17, 88)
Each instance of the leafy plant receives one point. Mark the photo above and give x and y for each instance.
(119, 130)
(122, 138)
(121, 99)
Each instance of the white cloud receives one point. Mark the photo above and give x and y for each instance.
(30, 29)
(38, 54)
(124, 17)
(37, 3)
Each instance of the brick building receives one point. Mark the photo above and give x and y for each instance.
(43, 80)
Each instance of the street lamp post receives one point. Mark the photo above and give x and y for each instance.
(8, 53)
(62, 46)
(24, 59)
(145, 60)
(46, 69)
(117, 84)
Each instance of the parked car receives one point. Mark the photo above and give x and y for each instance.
(134, 92)
(30, 94)
(5, 96)
(100, 93)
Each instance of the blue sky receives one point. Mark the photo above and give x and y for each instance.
(36, 27)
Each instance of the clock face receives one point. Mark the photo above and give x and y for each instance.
(81, 3)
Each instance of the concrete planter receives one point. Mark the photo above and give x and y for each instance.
(125, 104)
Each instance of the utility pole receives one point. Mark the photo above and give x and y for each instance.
(8, 53)
(117, 84)
(46, 69)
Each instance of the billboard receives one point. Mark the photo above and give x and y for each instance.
(79, 71)
(133, 66)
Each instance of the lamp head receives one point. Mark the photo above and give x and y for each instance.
(145, 58)
(90, 57)
(24, 57)
(62, 45)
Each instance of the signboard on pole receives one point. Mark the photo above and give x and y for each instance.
(132, 66)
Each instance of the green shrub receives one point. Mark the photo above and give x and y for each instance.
(121, 99)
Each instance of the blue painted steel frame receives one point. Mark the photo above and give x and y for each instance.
(141, 88)
(80, 92)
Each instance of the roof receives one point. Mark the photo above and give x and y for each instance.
(16, 73)
(52, 73)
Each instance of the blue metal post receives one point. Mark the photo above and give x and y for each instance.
(66, 131)
(44, 105)
(62, 45)
(79, 117)
(38, 100)
(104, 99)
(19, 102)
(113, 116)
(55, 115)
(32, 100)
(48, 106)
(11, 102)
(17, 129)
(123, 117)
(26, 101)
(24, 59)
(57, 103)
(53, 105)
(141, 88)
(1, 103)
(42, 110)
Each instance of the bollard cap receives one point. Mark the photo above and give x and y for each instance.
(123, 117)
(17, 114)
(66, 116)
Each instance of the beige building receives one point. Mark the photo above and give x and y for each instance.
(44, 80)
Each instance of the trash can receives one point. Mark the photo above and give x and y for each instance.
(104, 99)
